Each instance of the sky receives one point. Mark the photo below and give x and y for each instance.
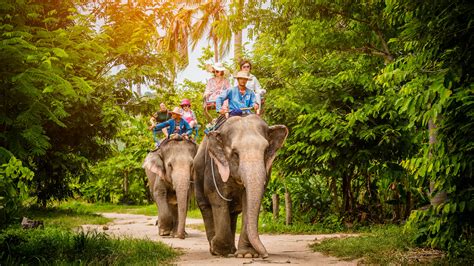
(193, 73)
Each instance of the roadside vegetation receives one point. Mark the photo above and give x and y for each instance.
(382, 245)
(53, 246)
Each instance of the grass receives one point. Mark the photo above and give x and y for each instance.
(60, 246)
(150, 209)
(65, 218)
(386, 244)
(81, 206)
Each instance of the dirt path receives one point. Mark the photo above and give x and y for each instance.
(283, 249)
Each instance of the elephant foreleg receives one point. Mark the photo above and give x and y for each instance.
(165, 218)
(223, 242)
(174, 217)
(205, 207)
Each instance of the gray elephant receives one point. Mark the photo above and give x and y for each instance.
(231, 170)
(169, 172)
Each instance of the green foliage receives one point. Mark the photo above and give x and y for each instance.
(120, 178)
(358, 84)
(85, 207)
(381, 245)
(56, 246)
(13, 189)
(64, 218)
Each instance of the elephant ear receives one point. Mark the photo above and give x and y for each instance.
(276, 136)
(154, 163)
(215, 147)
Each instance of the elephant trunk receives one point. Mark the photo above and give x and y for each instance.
(254, 183)
(182, 191)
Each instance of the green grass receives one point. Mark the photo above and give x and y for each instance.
(381, 245)
(80, 206)
(59, 246)
(65, 218)
(150, 210)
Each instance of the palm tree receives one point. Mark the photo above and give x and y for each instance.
(177, 37)
(214, 22)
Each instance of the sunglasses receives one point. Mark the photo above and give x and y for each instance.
(185, 105)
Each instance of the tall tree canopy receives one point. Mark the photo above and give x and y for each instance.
(358, 82)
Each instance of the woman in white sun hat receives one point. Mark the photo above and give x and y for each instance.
(215, 86)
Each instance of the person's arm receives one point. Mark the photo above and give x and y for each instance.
(209, 88)
(258, 87)
(189, 130)
(253, 103)
(194, 116)
(220, 99)
(160, 126)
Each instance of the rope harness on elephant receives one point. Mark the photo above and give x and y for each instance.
(213, 174)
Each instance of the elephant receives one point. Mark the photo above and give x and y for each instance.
(169, 172)
(231, 170)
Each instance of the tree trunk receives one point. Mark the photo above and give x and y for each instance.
(407, 205)
(347, 194)
(275, 205)
(288, 212)
(125, 187)
(441, 196)
(335, 199)
(216, 49)
(238, 33)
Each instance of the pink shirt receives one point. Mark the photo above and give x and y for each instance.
(214, 88)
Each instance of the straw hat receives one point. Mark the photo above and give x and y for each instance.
(177, 111)
(242, 75)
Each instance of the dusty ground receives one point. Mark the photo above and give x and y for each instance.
(283, 249)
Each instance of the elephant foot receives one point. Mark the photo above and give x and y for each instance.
(181, 236)
(219, 248)
(247, 252)
(164, 232)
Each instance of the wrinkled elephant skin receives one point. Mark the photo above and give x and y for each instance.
(231, 170)
(169, 172)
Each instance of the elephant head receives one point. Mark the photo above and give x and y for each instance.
(169, 173)
(244, 149)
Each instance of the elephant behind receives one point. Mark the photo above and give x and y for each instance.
(169, 172)
(231, 170)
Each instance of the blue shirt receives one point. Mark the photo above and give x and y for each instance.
(184, 127)
(236, 99)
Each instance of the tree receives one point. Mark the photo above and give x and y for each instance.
(360, 82)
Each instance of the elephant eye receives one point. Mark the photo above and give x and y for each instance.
(235, 154)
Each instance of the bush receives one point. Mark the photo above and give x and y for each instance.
(13, 190)
(55, 246)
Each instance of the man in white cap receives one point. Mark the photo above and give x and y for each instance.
(241, 99)
(175, 125)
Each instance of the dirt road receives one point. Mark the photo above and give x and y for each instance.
(283, 249)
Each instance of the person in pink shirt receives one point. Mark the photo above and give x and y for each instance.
(215, 86)
(188, 113)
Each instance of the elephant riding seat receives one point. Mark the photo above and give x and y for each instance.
(169, 172)
(231, 170)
